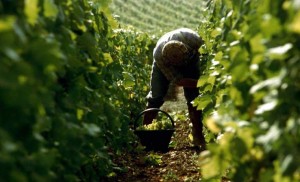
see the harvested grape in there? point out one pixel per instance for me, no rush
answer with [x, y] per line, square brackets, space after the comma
[155, 125]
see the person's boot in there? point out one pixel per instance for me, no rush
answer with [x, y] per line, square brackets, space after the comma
[197, 129]
[149, 116]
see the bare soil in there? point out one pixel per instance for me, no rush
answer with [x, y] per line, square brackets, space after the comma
[177, 164]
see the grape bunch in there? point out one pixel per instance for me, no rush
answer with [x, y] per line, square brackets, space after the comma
[155, 125]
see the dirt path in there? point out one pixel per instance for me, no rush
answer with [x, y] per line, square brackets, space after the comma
[178, 164]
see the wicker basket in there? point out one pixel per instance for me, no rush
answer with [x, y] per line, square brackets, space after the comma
[155, 140]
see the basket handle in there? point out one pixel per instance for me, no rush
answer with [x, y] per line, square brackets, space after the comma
[153, 109]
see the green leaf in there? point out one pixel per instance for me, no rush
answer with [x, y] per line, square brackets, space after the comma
[269, 83]
[246, 134]
[210, 165]
[12, 54]
[219, 56]
[272, 135]
[257, 44]
[279, 52]
[216, 32]
[202, 101]
[236, 96]
[202, 81]
[108, 58]
[270, 21]
[287, 161]
[240, 72]
[257, 59]
[211, 80]
[266, 107]
[129, 80]
[91, 129]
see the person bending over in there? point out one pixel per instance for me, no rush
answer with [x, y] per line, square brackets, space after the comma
[177, 63]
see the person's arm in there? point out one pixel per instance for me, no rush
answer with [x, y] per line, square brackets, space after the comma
[187, 82]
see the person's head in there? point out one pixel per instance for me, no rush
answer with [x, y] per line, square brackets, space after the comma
[176, 53]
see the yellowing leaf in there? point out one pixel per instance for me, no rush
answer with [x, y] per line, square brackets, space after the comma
[80, 113]
[6, 24]
[92, 69]
[257, 153]
[295, 25]
[108, 57]
[212, 126]
[31, 11]
[22, 79]
[50, 9]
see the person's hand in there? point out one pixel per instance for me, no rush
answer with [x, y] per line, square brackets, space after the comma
[187, 82]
